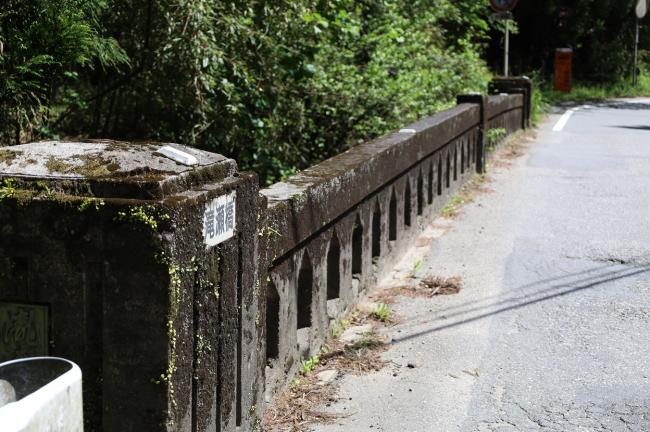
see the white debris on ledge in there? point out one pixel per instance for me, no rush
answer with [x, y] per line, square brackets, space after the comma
[178, 155]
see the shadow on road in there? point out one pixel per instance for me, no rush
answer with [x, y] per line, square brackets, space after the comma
[519, 289]
[561, 107]
[624, 105]
[640, 127]
[559, 287]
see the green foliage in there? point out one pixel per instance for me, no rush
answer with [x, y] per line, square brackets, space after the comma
[500, 26]
[417, 265]
[308, 365]
[539, 105]
[147, 215]
[43, 189]
[94, 203]
[451, 208]
[277, 85]
[382, 312]
[43, 46]
[7, 189]
[337, 329]
[590, 92]
[587, 91]
[601, 34]
[493, 137]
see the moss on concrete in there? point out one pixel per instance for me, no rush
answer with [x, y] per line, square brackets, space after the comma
[54, 165]
[147, 215]
[91, 166]
[8, 156]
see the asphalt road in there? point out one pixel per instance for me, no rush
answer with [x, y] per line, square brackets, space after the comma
[551, 330]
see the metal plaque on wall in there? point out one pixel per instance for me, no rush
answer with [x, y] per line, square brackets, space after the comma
[219, 219]
[23, 330]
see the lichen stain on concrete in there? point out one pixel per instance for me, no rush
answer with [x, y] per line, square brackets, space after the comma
[7, 156]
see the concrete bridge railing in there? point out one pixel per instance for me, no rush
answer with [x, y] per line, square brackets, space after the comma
[186, 295]
[334, 229]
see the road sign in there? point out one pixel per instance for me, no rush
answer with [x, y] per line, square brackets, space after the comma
[641, 8]
[503, 5]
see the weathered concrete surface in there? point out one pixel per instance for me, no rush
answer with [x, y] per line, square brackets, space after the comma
[521, 85]
[337, 227]
[167, 331]
[552, 328]
[98, 158]
[497, 104]
[107, 168]
[304, 203]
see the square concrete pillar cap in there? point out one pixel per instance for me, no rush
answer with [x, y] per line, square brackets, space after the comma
[106, 168]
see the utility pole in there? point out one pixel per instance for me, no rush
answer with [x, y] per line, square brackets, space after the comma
[640, 11]
[507, 47]
[502, 9]
[636, 54]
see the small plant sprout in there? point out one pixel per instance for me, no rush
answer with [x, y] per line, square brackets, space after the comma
[451, 208]
[147, 215]
[337, 329]
[382, 312]
[93, 203]
[7, 189]
[417, 265]
[308, 365]
[495, 135]
[42, 188]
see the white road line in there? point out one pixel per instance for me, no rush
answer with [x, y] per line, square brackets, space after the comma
[565, 118]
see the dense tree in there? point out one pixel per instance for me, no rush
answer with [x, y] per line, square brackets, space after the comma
[601, 33]
[44, 44]
[276, 84]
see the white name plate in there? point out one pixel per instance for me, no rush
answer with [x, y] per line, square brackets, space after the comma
[219, 219]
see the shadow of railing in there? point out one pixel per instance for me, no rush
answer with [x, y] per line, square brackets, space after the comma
[445, 311]
[560, 107]
[624, 105]
[638, 127]
[556, 290]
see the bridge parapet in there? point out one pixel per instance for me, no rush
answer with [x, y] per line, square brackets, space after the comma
[175, 323]
[336, 228]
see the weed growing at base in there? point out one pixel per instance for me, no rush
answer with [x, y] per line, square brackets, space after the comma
[382, 312]
[586, 92]
[308, 365]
